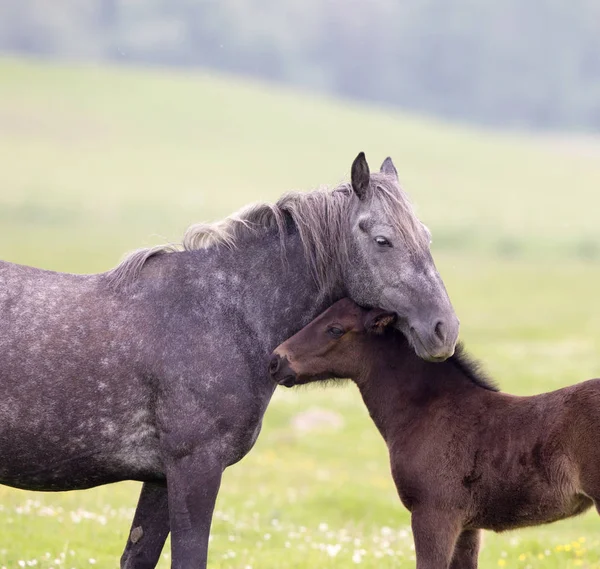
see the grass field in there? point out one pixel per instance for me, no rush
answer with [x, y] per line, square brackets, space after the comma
[97, 161]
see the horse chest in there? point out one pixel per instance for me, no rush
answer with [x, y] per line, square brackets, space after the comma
[221, 417]
[237, 443]
[239, 431]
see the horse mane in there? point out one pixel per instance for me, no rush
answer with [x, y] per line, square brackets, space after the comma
[319, 216]
[472, 369]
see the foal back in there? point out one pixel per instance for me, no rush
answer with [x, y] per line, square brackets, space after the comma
[513, 461]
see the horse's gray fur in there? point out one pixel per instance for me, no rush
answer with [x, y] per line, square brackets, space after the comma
[156, 370]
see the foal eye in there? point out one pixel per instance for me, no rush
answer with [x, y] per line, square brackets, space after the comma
[382, 241]
[335, 332]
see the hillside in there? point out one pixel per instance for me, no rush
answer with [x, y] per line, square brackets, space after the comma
[101, 160]
[508, 64]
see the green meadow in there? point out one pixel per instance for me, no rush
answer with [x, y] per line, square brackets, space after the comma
[96, 161]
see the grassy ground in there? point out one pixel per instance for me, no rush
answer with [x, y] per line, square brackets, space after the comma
[98, 161]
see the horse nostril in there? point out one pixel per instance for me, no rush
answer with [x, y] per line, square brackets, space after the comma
[440, 330]
[274, 364]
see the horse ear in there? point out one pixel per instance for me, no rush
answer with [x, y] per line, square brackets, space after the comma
[377, 320]
[389, 169]
[360, 176]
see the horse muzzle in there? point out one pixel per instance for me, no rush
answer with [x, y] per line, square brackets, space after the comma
[437, 342]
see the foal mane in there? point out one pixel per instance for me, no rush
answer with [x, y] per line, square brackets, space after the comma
[320, 217]
[471, 368]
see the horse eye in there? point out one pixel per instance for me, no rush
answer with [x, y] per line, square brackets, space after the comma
[335, 332]
[382, 241]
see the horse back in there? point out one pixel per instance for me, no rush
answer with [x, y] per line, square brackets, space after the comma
[76, 404]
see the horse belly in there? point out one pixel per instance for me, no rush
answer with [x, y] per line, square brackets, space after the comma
[91, 453]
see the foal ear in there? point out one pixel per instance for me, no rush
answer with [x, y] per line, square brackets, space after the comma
[360, 176]
[389, 169]
[377, 320]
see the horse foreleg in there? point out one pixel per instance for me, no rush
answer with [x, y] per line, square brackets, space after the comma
[149, 529]
[435, 535]
[466, 551]
[193, 487]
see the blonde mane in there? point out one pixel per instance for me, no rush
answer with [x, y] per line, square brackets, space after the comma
[320, 217]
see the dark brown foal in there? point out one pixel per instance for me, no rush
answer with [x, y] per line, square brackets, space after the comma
[464, 457]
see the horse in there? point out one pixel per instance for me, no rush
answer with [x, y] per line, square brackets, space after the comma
[155, 370]
[464, 456]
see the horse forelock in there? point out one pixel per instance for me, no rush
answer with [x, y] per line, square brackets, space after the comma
[400, 213]
[321, 218]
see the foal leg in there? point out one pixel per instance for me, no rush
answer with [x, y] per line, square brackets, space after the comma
[466, 550]
[149, 529]
[435, 534]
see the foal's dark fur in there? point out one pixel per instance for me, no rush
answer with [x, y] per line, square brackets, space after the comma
[464, 456]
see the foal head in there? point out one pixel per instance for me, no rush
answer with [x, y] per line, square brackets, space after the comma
[330, 346]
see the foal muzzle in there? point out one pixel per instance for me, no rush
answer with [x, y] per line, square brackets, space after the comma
[281, 371]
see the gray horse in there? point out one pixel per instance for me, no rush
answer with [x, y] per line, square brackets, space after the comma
[156, 370]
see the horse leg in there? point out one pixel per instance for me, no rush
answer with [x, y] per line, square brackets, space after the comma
[466, 550]
[149, 529]
[194, 483]
[435, 534]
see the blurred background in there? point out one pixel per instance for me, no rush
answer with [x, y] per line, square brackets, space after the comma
[525, 63]
[124, 121]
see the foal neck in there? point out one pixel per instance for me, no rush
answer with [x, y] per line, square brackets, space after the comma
[397, 386]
